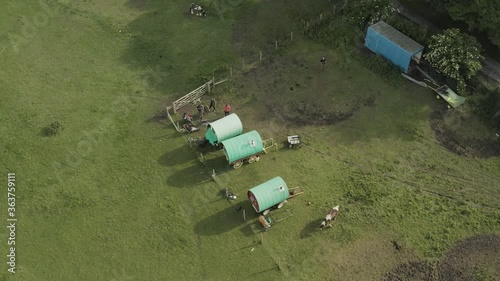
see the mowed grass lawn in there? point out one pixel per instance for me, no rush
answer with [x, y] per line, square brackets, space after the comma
[117, 196]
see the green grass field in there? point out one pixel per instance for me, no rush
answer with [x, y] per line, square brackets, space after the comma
[119, 194]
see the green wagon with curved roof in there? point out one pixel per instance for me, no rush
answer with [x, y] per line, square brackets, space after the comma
[246, 147]
[223, 129]
[272, 193]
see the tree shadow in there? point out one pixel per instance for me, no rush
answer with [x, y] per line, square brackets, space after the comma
[310, 229]
[171, 48]
[221, 222]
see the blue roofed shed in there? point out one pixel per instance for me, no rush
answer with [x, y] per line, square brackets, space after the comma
[390, 43]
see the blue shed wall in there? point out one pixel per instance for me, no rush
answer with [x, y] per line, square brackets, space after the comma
[388, 49]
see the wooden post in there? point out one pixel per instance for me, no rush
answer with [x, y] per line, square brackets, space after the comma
[173, 107]
[244, 215]
[231, 71]
[279, 264]
[276, 44]
[320, 16]
[213, 81]
[261, 238]
[291, 36]
[260, 55]
[207, 84]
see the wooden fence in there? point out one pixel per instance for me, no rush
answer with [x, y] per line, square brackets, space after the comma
[193, 95]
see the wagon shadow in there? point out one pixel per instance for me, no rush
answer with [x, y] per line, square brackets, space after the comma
[190, 176]
[177, 156]
[310, 229]
[220, 222]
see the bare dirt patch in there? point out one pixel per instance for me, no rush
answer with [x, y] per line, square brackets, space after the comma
[474, 258]
[289, 87]
[471, 259]
[462, 144]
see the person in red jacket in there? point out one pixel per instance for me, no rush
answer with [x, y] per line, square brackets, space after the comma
[227, 109]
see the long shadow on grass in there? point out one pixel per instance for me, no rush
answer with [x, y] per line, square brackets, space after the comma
[177, 156]
[173, 50]
[198, 173]
[221, 222]
[310, 229]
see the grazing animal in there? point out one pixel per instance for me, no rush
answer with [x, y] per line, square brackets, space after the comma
[197, 10]
[329, 217]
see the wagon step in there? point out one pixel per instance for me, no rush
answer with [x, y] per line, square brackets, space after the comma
[295, 191]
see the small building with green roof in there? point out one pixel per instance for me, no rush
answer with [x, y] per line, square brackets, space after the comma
[268, 194]
[223, 129]
[243, 146]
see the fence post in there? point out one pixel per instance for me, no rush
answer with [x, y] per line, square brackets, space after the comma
[244, 215]
[173, 107]
[291, 36]
[260, 55]
[276, 44]
[320, 16]
[207, 85]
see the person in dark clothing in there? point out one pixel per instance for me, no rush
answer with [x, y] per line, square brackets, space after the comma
[323, 62]
[227, 110]
[212, 105]
[200, 110]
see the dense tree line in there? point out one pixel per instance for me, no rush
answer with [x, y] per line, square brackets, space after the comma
[480, 15]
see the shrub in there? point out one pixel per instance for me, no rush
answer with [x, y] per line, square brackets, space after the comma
[52, 129]
[388, 71]
[410, 29]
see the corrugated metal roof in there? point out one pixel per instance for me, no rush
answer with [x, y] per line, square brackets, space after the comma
[394, 35]
[243, 146]
[268, 194]
[224, 128]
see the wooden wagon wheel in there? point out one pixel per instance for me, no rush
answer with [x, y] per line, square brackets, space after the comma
[251, 160]
[238, 164]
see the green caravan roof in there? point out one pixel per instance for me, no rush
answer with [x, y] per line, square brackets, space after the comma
[268, 194]
[243, 146]
[223, 129]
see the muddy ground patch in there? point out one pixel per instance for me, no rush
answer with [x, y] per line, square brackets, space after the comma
[474, 258]
[464, 144]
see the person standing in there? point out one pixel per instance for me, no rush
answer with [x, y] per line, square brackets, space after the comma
[200, 110]
[212, 105]
[323, 62]
[227, 109]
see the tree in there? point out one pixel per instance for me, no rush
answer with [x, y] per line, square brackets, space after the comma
[456, 54]
[481, 15]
